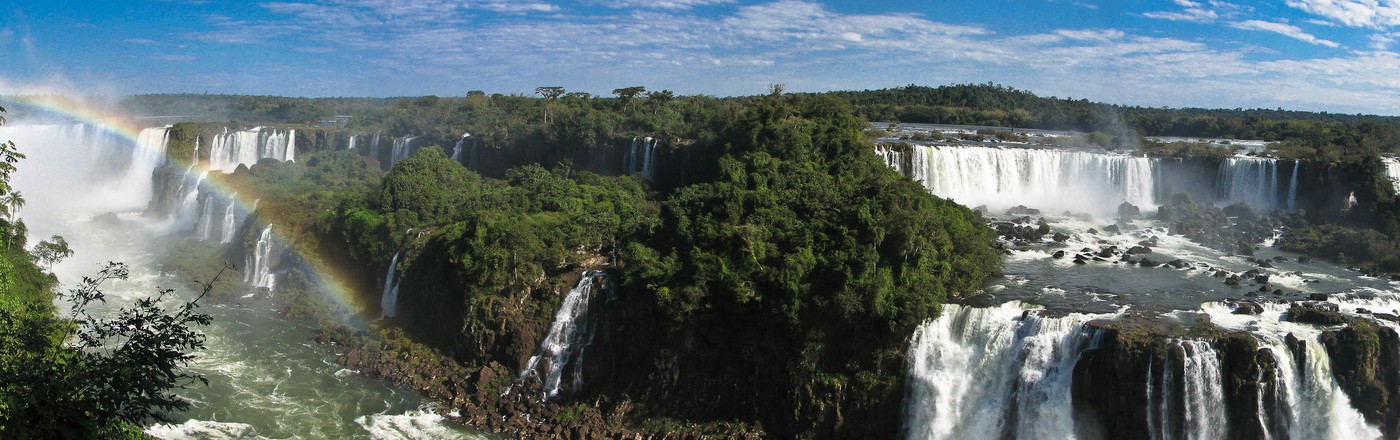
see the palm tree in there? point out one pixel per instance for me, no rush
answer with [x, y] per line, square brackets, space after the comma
[12, 202]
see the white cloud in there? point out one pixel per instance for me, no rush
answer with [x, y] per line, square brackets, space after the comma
[1376, 14]
[402, 48]
[1284, 29]
[663, 4]
[1196, 15]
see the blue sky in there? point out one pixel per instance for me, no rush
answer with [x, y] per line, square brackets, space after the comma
[1327, 55]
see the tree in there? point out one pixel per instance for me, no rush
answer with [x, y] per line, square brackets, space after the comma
[627, 93]
[10, 204]
[552, 92]
[52, 251]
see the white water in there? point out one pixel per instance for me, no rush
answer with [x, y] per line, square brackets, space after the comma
[639, 156]
[457, 148]
[1392, 169]
[1313, 404]
[230, 225]
[259, 263]
[1052, 180]
[565, 342]
[1202, 405]
[389, 301]
[972, 368]
[403, 147]
[245, 147]
[1254, 181]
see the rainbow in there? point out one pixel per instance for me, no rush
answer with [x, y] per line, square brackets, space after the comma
[330, 281]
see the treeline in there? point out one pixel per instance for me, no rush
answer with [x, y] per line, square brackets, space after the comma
[1001, 106]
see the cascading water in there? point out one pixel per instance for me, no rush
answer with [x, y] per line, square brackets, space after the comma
[230, 225]
[258, 264]
[402, 148]
[457, 148]
[891, 158]
[1052, 180]
[1392, 169]
[989, 373]
[1293, 187]
[1309, 403]
[245, 147]
[1199, 411]
[352, 142]
[640, 157]
[565, 342]
[389, 301]
[1251, 180]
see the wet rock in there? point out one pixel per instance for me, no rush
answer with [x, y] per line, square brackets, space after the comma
[1262, 279]
[1278, 291]
[1304, 259]
[1178, 264]
[1058, 254]
[1148, 263]
[1112, 229]
[1022, 210]
[1093, 231]
[1059, 237]
[1107, 252]
[1128, 211]
[1248, 308]
[1232, 280]
[1318, 297]
[1139, 249]
[1314, 313]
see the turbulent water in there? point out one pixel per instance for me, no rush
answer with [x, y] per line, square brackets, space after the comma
[999, 365]
[267, 380]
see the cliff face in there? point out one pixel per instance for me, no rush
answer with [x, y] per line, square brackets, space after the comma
[1366, 361]
[1122, 385]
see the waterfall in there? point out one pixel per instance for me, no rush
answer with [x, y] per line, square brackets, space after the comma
[352, 142]
[565, 342]
[640, 157]
[1309, 402]
[1293, 187]
[1199, 412]
[204, 225]
[245, 147]
[986, 373]
[457, 149]
[1252, 180]
[230, 225]
[403, 147]
[389, 301]
[1392, 169]
[891, 158]
[1054, 180]
[258, 264]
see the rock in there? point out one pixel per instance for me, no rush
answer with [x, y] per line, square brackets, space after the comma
[1139, 249]
[1249, 308]
[1232, 280]
[1304, 259]
[1280, 258]
[1112, 229]
[1278, 291]
[1022, 210]
[1262, 278]
[1058, 254]
[1148, 263]
[1059, 237]
[1178, 264]
[1312, 313]
[1093, 231]
[1128, 211]
[1318, 297]
[1086, 250]
[1107, 252]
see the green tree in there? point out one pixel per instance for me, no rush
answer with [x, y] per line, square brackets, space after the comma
[52, 251]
